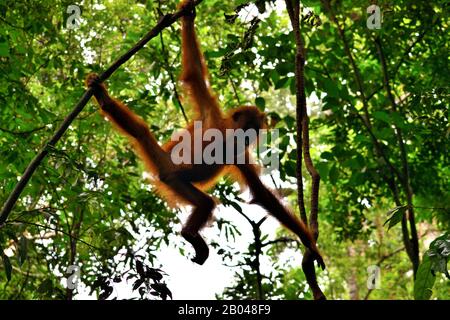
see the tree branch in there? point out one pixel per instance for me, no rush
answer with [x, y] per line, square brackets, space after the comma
[293, 8]
[279, 240]
[413, 242]
[57, 230]
[362, 94]
[46, 126]
[410, 244]
[169, 71]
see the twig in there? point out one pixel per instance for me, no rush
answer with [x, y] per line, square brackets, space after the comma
[234, 88]
[293, 8]
[403, 58]
[359, 81]
[169, 71]
[28, 132]
[10, 24]
[165, 22]
[280, 240]
[299, 62]
[413, 242]
[57, 230]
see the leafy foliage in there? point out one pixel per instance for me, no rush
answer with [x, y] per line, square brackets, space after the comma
[88, 204]
[434, 260]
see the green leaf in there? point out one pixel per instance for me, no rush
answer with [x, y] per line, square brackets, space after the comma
[291, 168]
[268, 40]
[333, 175]
[331, 88]
[7, 265]
[290, 121]
[282, 83]
[284, 68]
[398, 120]
[4, 49]
[362, 138]
[46, 286]
[284, 143]
[324, 170]
[357, 179]
[352, 163]
[260, 103]
[23, 250]
[327, 155]
[216, 54]
[439, 254]
[425, 279]
[176, 103]
[397, 216]
[383, 116]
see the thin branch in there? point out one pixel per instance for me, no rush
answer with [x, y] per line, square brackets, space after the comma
[25, 281]
[75, 232]
[46, 126]
[260, 222]
[280, 240]
[10, 24]
[390, 255]
[374, 92]
[303, 146]
[359, 82]
[27, 273]
[414, 242]
[250, 221]
[169, 71]
[234, 88]
[165, 22]
[299, 60]
[55, 229]
[44, 64]
[408, 51]
[366, 122]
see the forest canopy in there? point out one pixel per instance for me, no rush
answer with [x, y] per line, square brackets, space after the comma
[375, 80]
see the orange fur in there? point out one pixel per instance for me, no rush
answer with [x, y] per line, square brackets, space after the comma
[185, 184]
